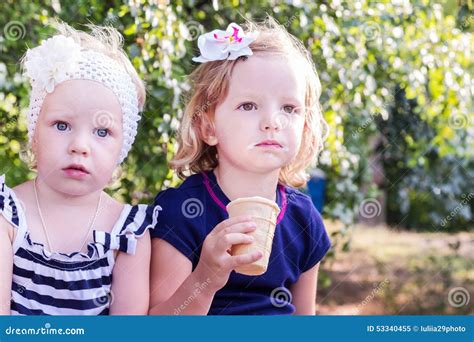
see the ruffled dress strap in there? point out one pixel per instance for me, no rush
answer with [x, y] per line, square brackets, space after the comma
[10, 205]
[128, 229]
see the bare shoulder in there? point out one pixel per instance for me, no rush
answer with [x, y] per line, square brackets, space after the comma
[24, 193]
[111, 204]
[6, 229]
[111, 210]
[23, 188]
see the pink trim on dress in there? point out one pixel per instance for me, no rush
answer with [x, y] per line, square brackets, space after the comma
[281, 188]
[211, 192]
[283, 203]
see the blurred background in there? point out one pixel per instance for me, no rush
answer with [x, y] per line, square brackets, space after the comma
[395, 183]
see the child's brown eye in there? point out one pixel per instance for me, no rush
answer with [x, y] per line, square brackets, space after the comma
[248, 106]
[288, 109]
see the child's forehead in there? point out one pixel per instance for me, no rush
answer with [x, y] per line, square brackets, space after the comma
[78, 88]
[267, 71]
[75, 97]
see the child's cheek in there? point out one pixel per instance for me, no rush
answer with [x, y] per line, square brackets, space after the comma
[296, 132]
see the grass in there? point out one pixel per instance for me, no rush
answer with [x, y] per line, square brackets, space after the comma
[396, 272]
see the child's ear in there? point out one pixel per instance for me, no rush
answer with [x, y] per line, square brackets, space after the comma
[208, 131]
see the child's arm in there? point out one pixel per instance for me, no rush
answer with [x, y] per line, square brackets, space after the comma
[173, 283]
[304, 292]
[175, 289]
[6, 266]
[130, 284]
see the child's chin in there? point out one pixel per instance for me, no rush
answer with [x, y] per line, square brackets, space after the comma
[265, 166]
[73, 188]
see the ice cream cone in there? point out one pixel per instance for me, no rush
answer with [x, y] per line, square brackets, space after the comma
[264, 213]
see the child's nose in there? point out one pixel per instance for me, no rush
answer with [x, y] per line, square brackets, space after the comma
[79, 145]
[271, 121]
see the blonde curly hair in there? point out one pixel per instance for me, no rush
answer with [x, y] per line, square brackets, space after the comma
[209, 86]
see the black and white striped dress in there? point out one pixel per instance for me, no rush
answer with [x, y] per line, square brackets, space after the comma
[47, 283]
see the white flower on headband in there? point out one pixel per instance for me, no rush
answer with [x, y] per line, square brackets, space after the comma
[48, 64]
[229, 44]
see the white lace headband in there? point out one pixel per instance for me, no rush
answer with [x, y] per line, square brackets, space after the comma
[60, 59]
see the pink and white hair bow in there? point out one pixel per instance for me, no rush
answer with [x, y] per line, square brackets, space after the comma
[229, 44]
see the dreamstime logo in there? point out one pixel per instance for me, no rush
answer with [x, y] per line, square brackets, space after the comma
[194, 30]
[370, 208]
[192, 208]
[280, 297]
[21, 289]
[14, 30]
[103, 297]
[371, 30]
[458, 296]
[458, 121]
[103, 119]
[16, 209]
[280, 120]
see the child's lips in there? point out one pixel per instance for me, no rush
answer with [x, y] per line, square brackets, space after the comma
[76, 171]
[269, 143]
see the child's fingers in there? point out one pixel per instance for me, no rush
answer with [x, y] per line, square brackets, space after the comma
[230, 222]
[226, 241]
[244, 259]
[241, 227]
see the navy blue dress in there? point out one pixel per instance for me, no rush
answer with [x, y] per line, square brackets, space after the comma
[192, 210]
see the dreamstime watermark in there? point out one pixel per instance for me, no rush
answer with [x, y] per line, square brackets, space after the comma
[198, 289]
[370, 208]
[103, 297]
[111, 19]
[457, 209]
[17, 209]
[204, 108]
[467, 22]
[14, 30]
[363, 127]
[192, 208]
[376, 291]
[371, 30]
[458, 121]
[8, 126]
[194, 30]
[289, 21]
[280, 297]
[458, 297]
[103, 119]
[46, 330]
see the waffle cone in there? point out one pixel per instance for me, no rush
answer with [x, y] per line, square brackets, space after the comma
[264, 213]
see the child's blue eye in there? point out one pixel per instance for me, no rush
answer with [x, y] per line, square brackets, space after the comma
[248, 106]
[62, 126]
[102, 132]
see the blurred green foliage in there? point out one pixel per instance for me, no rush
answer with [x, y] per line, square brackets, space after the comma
[368, 54]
